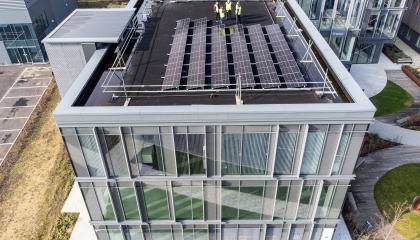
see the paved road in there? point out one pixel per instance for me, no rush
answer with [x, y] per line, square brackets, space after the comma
[8, 75]
[19, 101]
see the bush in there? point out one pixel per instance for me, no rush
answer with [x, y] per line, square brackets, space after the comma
[394, 52]
[413, 123]
[372, 142]
[64, 226]
[414, 70]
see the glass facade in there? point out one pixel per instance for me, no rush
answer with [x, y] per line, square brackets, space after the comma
[21, 43]
[153, 177]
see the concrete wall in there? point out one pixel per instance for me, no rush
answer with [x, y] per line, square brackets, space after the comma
[13, 11]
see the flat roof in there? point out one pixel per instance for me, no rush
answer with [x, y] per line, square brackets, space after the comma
[150, 56]
[92, 25]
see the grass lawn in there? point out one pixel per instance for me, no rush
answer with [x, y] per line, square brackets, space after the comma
[396, 186]
[392, 99]
[37, 179]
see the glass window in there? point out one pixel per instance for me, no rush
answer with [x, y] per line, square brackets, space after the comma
[325, 199]
[231, 153]
[114, 154]
[348, 47]
[195, 234]
[243, 202]
[341, 152]
[189, 153]
[115, 234]
[91, 153]
[254, 153]
[149, 154]
[305, 202]
[364, 53]
[188, 202]
[281, 202]
[156, 202]
[135, 234]
[105, 203]
[129, 203]
[313, 149]
[286, 149]
[418, 42]
[408, 34]
[161, 234]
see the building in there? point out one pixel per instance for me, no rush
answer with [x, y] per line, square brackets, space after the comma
[356, 29]
[23, 24]
[409, 31]
[180, 129]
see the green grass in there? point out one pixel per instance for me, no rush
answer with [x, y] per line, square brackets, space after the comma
[397, 186]
[392, 99]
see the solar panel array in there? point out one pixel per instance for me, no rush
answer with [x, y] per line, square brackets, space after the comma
[288, 66]
[196, 77]
[265, 66]
[219, 60]
[241, 61]
[176, 57]
[196, 71]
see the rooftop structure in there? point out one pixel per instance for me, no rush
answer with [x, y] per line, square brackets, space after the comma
[187, 129]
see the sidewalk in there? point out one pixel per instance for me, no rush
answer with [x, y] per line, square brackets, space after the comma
[409, 51]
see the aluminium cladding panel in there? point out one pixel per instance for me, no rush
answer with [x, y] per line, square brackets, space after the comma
[62, 9]
[67, 61]
[12, 4]
[12, 12]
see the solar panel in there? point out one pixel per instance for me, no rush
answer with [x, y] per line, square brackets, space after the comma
[288, 66]
[176, 57]
[265, 66]
[219, 61]
[196, 70]
[241, 61]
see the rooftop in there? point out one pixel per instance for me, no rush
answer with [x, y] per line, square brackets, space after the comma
[87, 25]
[145, 76]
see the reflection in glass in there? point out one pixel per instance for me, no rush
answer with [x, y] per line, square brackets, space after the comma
[189, 153]
[254, 153]
[136, 234]
[129, 203]
[188, 203]
[104, 199]
[312, 153]
[149, 154]
[116, 155]
[344, 141]
[285, 153]
[162, 234]
[92, 157]
[115, 234]
[231, 153]
[281, 202]
[305, 202]
[156, 202]
[324, 201]
[230, 201]
[245, 203]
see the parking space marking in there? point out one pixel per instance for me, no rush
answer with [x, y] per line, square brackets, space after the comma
[29, 75]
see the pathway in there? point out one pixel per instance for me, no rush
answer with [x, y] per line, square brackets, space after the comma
[385, 125]
[370, 171]
[18, 103]
[408, 50]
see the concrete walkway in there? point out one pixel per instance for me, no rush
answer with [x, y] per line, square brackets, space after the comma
[385, 125]
[370, 171]
[73, 204]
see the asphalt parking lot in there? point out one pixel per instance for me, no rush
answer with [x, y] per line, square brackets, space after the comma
[21, 88]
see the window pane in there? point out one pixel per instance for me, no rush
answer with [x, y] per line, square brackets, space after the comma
[129, 202]
[189, 234]
[136, 234]
[285, 152]
[197, 202]
[201, 234]
[104, 199]
[324, 201]
[181, 153]
[156, 202]
[196, 154]
[92, 157]
[115, 234]
[149, 154]
[312, 153]
[162, 234]
[116, 155]
[344, 141]
[182, 203]
[250, 203]
[254, 153]
[230, 201]
[231, 150]
[281, 202]
[305, 202]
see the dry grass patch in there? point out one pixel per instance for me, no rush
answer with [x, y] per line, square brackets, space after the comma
[36, 177]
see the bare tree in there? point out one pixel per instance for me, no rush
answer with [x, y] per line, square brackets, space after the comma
[385, 223]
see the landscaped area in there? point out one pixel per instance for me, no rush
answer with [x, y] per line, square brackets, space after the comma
[398, 186]
[392, 99]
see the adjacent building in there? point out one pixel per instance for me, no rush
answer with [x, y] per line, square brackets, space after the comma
[178, 128]
[356, 30]
[23, 24]
[409, 30]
